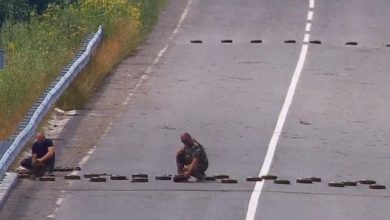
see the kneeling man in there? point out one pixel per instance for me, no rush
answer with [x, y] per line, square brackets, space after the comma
[191, 160]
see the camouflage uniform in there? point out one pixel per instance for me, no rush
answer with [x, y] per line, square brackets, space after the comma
[185, 158]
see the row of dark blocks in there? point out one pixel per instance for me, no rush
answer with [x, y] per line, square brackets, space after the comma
[350, 43]
[223, 178]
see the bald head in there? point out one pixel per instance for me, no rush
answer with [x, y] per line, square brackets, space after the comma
[186, 139]
[40, 137]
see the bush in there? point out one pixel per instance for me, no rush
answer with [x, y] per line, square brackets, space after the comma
[37, 50]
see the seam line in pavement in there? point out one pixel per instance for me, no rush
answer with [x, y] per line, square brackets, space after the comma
[329, 194]
[254, 199]
[217, 190]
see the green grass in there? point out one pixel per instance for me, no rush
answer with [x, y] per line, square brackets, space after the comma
[36, 51]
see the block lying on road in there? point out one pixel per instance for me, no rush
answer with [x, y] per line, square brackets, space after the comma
[210, 178]
[315, 179]
[47, 178]
[164, 177]
[335, 184]
[367, 182]
[98, 179]
[117, 177]
[305, 181]
[279, 181]
[180, 179]
[229, 181]
[349, 183]
[72, 177]
[254, 179]
[140, 175]
[376, 186]
[269, 177]
[221, 176]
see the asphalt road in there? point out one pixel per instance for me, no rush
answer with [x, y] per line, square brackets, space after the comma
[229, 96]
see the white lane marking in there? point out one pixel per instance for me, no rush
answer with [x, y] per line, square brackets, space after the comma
[276, 134]
[59, 202]
[308, 27]
[160, 53]
[253, 202]
[310, 15]
[52, 216]
[84, 159]
[306, 38]
[311, 4]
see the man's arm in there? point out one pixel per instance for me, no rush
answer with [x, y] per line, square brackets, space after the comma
[191, 168]
[34, 157]
[48, 155]
[34, 153]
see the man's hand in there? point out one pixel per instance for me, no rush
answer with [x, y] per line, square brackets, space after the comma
[191, 167]
[186, 174]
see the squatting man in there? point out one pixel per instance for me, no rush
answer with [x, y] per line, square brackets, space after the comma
[42, 152]
[191, 159]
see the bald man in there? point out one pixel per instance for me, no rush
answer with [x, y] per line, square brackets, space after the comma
[42, 151]
[191, 160]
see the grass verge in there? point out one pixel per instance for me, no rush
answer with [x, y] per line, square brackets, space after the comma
[37, 51]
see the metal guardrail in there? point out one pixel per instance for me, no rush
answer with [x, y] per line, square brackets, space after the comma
[34, 117]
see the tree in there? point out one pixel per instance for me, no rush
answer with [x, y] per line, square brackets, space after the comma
[14, 10]
[41, 5]
[19, 10]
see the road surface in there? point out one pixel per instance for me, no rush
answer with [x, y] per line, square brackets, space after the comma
[235, 99]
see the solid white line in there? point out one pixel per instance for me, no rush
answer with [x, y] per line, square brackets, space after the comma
[306, 38]
[311, 4]
[310, 15]
[308, 27]
[160, 53]
[250, 215]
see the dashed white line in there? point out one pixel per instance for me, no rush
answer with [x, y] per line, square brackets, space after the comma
[308, 27]
[310, 15]
[311, 4]
[59, 202]
[52, 216]
[160, 53]
[306, 38]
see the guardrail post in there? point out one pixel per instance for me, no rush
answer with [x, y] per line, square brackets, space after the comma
[2, 59]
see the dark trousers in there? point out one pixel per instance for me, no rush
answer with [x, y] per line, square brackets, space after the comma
[27, 163]
[182, 160]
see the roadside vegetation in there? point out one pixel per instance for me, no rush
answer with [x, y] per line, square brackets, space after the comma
[40, 39]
